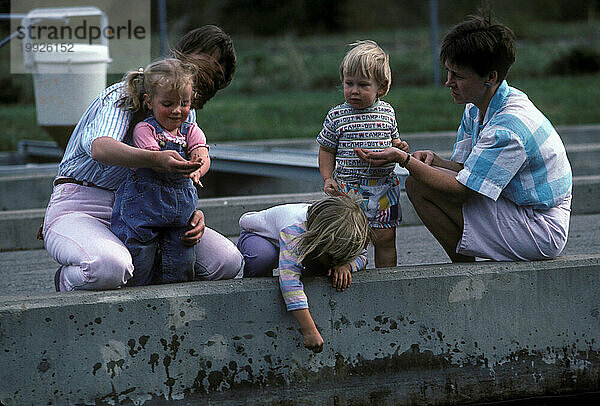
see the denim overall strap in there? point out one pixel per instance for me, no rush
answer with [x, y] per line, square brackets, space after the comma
[165, 144]
[185, 128]
[152, 121]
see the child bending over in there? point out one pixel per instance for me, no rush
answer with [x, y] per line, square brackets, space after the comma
[328, 237]
[152, 209]
[364, 121]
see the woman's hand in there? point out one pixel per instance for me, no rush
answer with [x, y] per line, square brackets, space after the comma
[109, 151]
[426, 156]
[193, 235]
[342, 277]
[378, 158]
[331, 187]
[171, 161]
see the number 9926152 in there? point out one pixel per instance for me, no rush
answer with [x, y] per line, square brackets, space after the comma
[49, 47]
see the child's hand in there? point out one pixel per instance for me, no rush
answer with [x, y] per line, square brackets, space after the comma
[313, 340]
[171, 161]
[402, 145]
[342, 277]
[195, 177]
[331, 187]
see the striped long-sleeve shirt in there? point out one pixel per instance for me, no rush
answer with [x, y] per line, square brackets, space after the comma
[284, 224]
[101, 119]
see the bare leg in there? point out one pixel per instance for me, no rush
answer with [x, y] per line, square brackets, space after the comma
[385, 247]
[442, 217]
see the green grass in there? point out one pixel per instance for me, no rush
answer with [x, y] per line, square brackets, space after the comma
[284, 86]
[232, 116]
[299, 114]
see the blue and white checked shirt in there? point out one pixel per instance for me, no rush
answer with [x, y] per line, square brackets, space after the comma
[101, 119]
[515, 153]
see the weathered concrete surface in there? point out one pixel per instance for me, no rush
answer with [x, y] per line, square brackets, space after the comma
[33, 182]
[19, 227]
[433, 334]
[31, 272]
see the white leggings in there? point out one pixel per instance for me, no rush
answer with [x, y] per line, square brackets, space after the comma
[77, 235]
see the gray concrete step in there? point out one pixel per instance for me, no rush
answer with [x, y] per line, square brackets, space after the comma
[233, 174]
[427, 334]
[30, 273]
[19, 227]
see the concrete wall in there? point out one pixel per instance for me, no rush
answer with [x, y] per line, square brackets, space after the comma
[442, 334]
[19, 227]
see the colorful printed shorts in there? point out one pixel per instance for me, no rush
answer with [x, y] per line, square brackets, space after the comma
[379, 198]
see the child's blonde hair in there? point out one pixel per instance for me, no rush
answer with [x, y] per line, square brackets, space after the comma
[170, 74]
[336, 226]
[367, 59]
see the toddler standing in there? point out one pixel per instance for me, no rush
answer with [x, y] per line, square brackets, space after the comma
[152, 209]
[366, 122]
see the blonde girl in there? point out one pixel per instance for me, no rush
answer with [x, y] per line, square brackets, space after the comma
[328, 237]
[152, 209]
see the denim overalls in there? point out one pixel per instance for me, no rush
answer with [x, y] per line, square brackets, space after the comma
[150, 214]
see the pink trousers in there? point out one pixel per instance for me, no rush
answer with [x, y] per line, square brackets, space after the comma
[77, 235]
[502, 231]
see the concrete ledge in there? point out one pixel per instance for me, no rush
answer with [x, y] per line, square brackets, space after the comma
[264, 167]
[19, 227]
[441, 334]
[586, 195]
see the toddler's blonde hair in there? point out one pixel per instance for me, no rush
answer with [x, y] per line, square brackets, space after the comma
[336, 226]
[170, 74]
[367, 59]
[204, 75]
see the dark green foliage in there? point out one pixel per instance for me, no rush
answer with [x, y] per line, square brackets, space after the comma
[579, 60]
[310, 17]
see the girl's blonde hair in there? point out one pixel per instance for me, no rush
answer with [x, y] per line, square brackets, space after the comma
[368, 60]
[335, 226]
[170, 74]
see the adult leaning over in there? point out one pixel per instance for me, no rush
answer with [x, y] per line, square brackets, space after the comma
[505, 193]
[76, 227]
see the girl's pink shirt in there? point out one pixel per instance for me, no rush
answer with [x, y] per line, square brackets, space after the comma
[145, 137]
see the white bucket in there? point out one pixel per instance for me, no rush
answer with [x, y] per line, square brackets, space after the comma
[66, 82]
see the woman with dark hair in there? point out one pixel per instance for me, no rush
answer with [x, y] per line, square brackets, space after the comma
[505, 193]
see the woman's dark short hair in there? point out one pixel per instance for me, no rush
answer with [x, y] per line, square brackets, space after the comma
[209, 39]
[480, 44]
